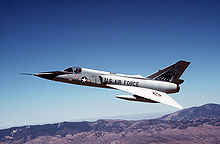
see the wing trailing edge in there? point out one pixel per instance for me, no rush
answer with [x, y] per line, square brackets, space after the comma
[145, 93]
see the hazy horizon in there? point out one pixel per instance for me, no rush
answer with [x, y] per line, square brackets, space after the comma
[128, 37]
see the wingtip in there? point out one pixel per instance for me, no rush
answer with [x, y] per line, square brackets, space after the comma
[178, 106]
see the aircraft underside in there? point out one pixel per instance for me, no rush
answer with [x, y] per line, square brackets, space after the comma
[152, 89]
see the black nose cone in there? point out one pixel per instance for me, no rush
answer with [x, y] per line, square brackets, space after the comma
[49, 76]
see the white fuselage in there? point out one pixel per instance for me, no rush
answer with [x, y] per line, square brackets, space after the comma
[153, 88]
[97, 78]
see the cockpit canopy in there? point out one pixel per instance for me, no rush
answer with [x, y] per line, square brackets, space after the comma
[73, 69]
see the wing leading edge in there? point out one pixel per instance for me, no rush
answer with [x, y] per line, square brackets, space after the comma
[150, 94]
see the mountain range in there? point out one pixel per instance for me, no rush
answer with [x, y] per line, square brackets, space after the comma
[193, 125]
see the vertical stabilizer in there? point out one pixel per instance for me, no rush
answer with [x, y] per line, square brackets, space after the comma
[171, 73]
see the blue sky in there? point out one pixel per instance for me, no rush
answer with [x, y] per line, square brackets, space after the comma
[124, 36]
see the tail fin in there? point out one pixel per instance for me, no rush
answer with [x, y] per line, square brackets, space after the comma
[171, 73]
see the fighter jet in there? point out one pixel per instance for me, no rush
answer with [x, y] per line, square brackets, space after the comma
[151, 89]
